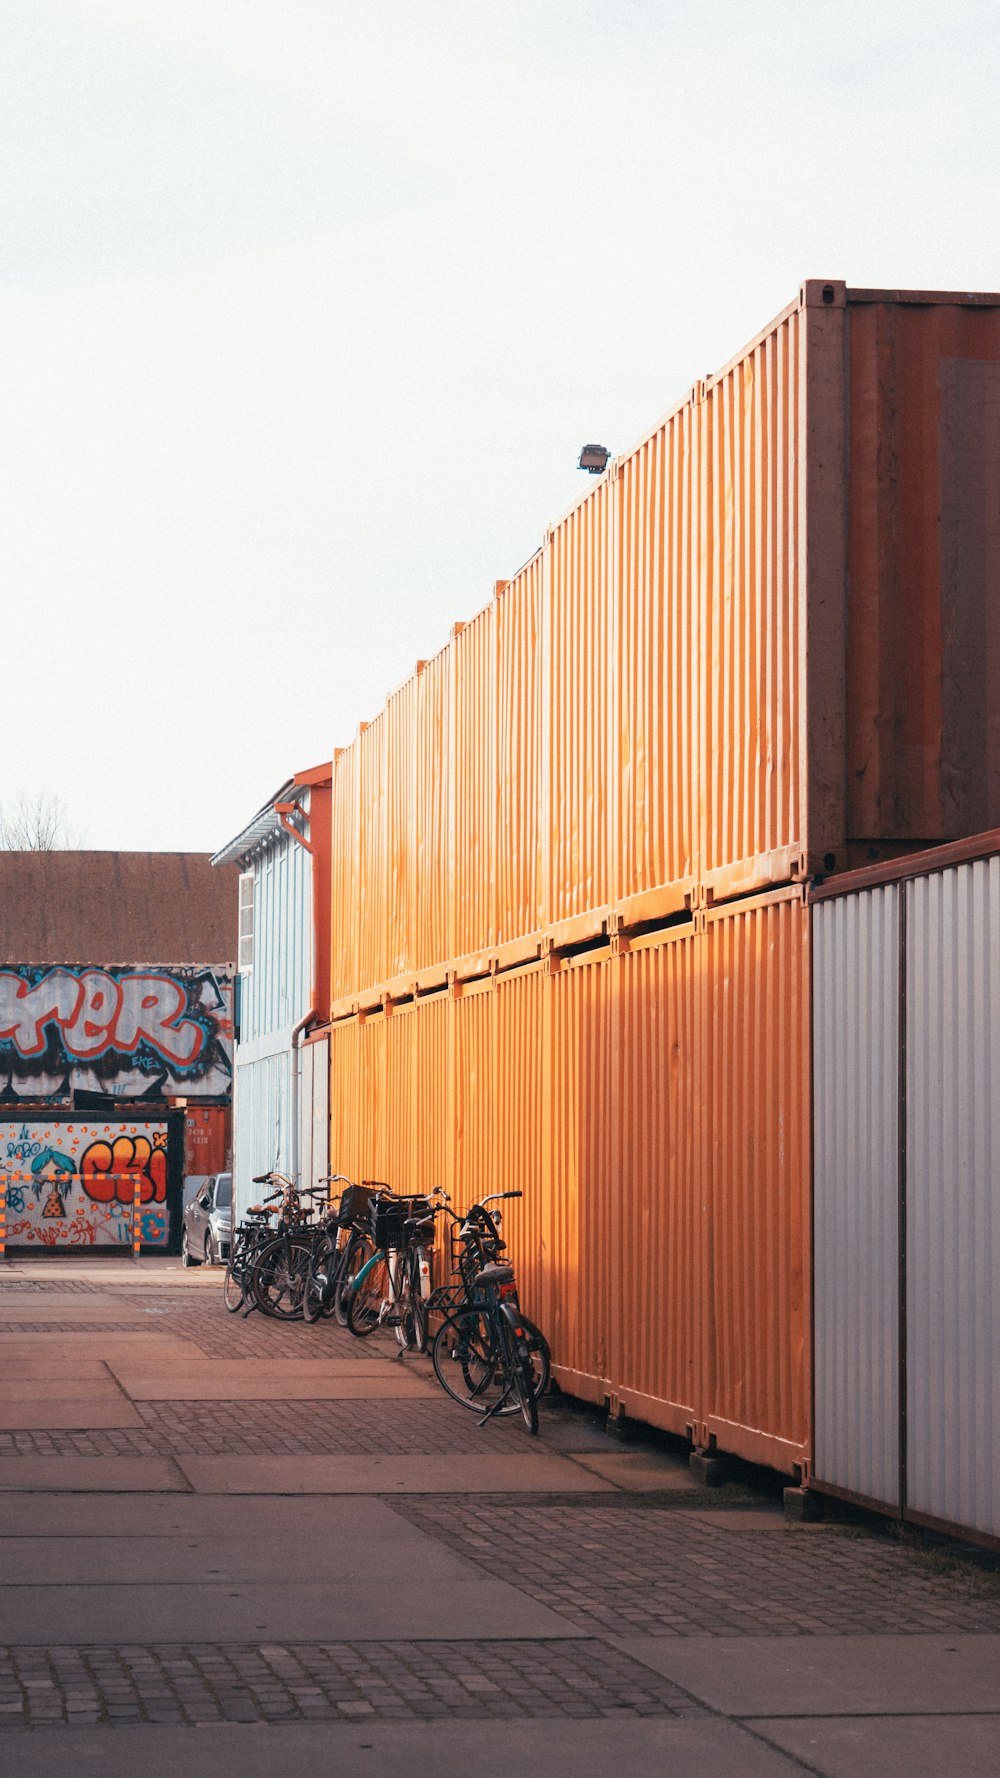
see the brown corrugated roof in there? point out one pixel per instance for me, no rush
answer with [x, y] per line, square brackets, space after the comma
[116, 907]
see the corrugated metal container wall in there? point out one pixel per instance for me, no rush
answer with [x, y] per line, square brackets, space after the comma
[314, 1110]
[262, 1133]
[755, 1089]
[373, 910]
[275, 992]
[751, 766]
[923, 565]
[580, 1210]
[400, 773]
[473, 778]
[655, 707]
[953, 1196]
[664, 1253]
[579, 769]
[345, 889]
[432, 836]
[856, 1192]
[518, 843]
[656, 1213]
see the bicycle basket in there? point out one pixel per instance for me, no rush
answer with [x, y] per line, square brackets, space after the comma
[354, 1207]
[389, 1217]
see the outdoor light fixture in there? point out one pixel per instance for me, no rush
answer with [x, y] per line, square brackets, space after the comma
[594, 459]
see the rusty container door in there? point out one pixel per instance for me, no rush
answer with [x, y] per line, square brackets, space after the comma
[580, 774]
[654, 662]
[518, 796]
[473, 780]
[923, 566]
[754, 1088]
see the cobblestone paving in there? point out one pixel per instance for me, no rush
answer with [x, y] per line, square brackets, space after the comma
[277, 1428]
[643, 1570]
[206, 1683]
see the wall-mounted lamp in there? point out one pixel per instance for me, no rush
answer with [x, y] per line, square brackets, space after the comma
[594, 459]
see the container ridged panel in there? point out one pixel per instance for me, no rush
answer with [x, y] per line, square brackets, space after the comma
[518, 844]
[953, 1195]
[580, 775]
[431, 840]
[756, 1088]
[372, 909]
[578, 1171]
[655, 1211]
[400, 772]
[473, 784]
[656, 650]
[855, 1192]
[474, 1121]
[751, 689]
[522, 1007]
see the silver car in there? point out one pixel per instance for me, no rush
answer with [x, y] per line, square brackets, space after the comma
[208, 1222]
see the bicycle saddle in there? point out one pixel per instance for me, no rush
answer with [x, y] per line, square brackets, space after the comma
[494, 1275]
[257, 1210]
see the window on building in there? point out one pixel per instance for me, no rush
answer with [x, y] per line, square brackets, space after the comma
[246, 922]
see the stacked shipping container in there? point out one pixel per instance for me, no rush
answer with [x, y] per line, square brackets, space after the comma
[546, 970]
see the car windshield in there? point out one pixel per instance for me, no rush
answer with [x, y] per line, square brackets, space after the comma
[224, 1191]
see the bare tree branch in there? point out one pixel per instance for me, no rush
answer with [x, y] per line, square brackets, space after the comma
[36, 822]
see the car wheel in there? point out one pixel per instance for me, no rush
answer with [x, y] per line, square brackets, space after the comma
[187, 1257]
[210, 1255]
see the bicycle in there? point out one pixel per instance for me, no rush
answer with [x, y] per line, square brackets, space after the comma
[392, 1289]
[277, 1277]
[340, 1247]
[487, 1355]
[252, 1234]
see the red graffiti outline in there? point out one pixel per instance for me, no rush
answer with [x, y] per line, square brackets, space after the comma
[101, 1036]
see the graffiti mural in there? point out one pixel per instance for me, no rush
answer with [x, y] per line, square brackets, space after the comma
[84, 1184]
[131, 1033]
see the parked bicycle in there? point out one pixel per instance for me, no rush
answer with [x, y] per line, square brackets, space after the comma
[270, 1266]
[341, 1246]
[393, 1287]
[486, 1354]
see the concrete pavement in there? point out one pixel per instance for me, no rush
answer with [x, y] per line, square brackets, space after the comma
[295, 1543]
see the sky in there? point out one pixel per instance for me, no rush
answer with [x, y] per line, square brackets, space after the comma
[307, 310]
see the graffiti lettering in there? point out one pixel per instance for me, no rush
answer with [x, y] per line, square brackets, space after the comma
[108, 1170]
[95, 1013]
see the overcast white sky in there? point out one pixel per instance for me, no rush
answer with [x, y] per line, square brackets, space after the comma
[306, 310]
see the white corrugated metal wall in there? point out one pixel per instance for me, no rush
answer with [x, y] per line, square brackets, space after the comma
[274, 996]
[953, 1196]
[942, 1188]
[855, 1192]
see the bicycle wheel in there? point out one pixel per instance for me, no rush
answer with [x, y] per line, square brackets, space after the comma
[520, 1376]
[366, 1302]
[357, 1253]
[539, 1356]
[466, 1362]
[278, 1278]
[232, 1287]
[410, 1326]
[317, 1291]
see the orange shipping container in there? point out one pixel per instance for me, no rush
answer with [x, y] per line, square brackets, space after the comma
[651, 1102]
[765, 644]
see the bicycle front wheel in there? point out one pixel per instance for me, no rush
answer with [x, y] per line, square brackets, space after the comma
[466, 1362]
[279, 1276]
[232, 1287]
[366, 1302]
[358, 1252]
[317, 1290]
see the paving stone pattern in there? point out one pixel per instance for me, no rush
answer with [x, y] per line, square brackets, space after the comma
[278, 1429]
[643, 1570]
[207, 1683]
